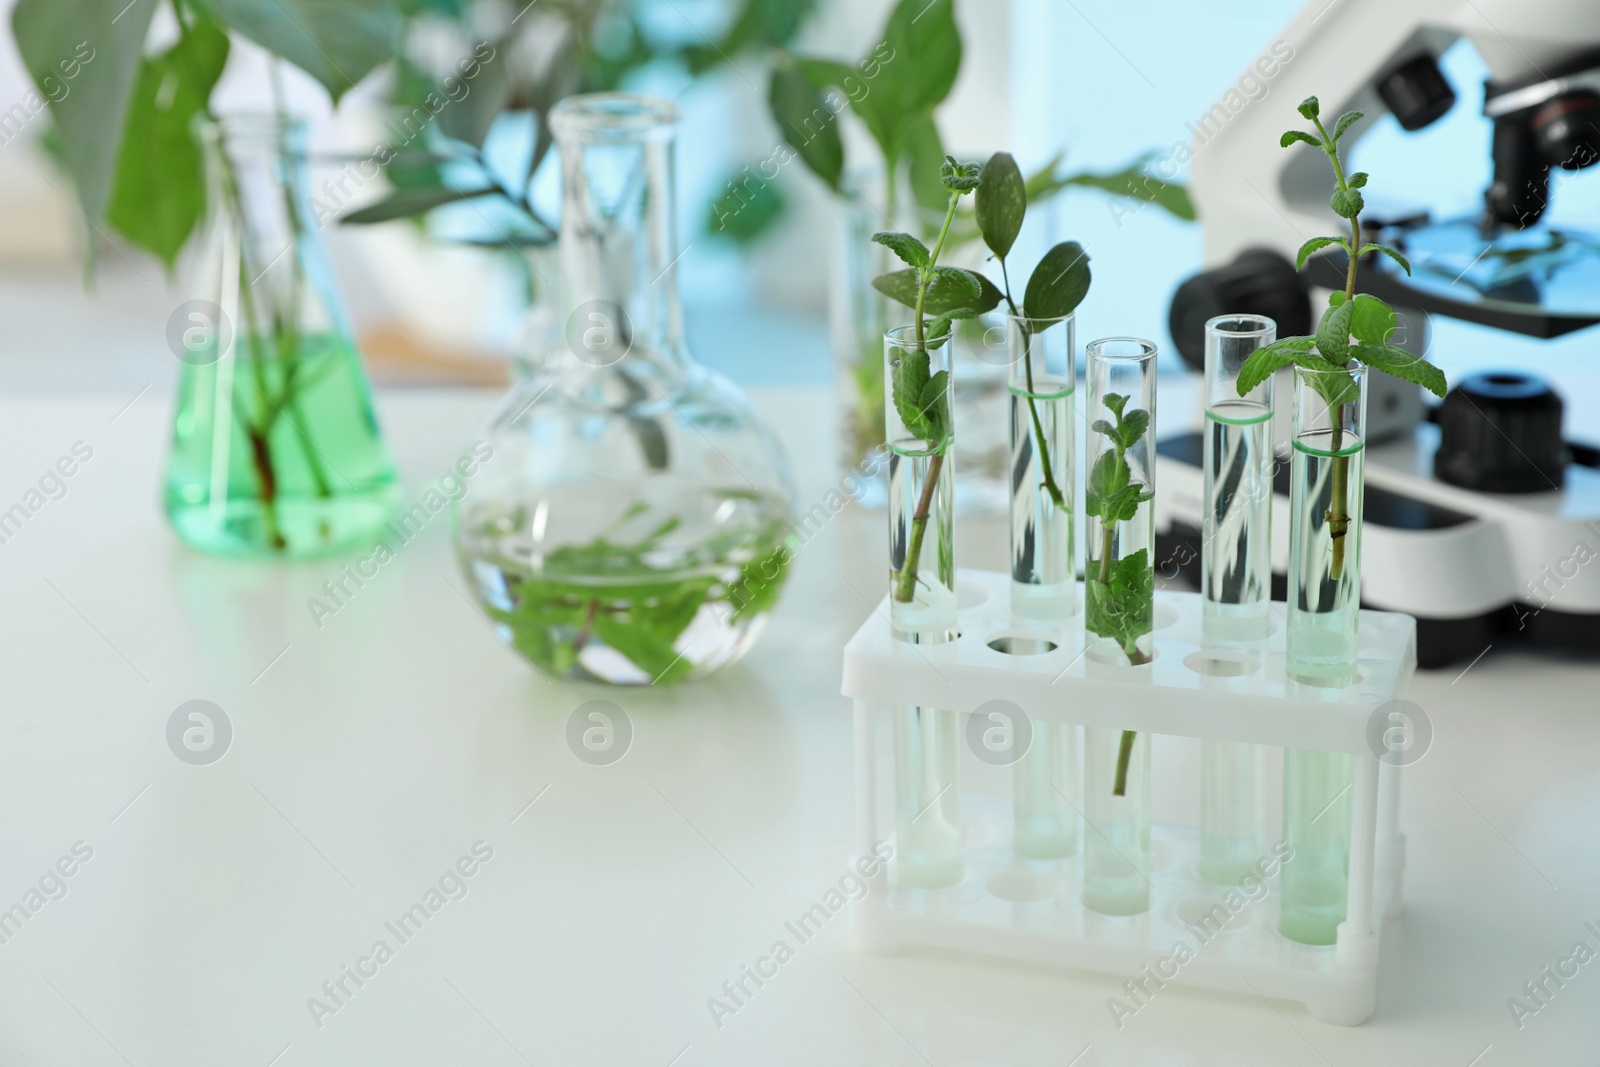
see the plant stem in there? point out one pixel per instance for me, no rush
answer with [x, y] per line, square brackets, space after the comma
[1339, 507]
[1119, 788]
[906, 581]
[1045, 473]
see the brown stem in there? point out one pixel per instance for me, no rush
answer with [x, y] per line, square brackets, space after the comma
[1339, 508]
[582, 639]
[906, 579]
[261, 454]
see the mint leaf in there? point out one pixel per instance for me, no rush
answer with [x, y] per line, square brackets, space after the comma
[1333, 333]
[1309, 108]
[1372, 321]
[959, 177]
[1344, 124]
[1266, 361]
[1133, 426]
[1291, 136]
[1358, 180]
[908, 248]
[1391, 253]
[935, 405]
[1108, 477]
[1316, 244]
[1403, 365]
[1336, 388]
[1346, 203]
[910, 378]
[1122, 608]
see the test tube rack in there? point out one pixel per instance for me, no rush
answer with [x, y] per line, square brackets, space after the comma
[1024, 909]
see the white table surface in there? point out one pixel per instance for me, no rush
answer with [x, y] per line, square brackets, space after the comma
[369, 755]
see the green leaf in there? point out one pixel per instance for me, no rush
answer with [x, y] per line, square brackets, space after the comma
[469, 119]
[926, 53]
[1336, 389]
[1333, 333]
[935, 405]
[1058, 284]
[1266, 361]
[948, 281]
[959, 177]
[1101, 426]
[909, 378]
[1108, 477]
[1317, 243]
[1291, 136]
[908, 248]
[1391, 253]
[1122, 608]
[1347, 203]
[1131, 182]
[940, 326]
[1344, 124]
[1309, 108]
[406, 203]
[83, 47]
[1403, 365]
[1335, 298]
[925, 156]
[944, 295]
[805, 122]
[1115, 402]
[1372, 321]
[746, 210]
[159, 192]
[337, 42]
[1134, 424]
[648, 632]
[1358, 180]
[1000, 203]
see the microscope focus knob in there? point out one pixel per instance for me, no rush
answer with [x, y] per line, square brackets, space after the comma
[1258, 282]
[1500, 432]
[1416, 92]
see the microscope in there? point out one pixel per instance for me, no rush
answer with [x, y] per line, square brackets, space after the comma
[1481, 520]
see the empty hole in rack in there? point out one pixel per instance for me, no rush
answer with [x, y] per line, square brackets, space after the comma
[1162, 616]
[1021, 887]
[1223, 662]
[1107, 653]
[1022, 644]
[970, 595]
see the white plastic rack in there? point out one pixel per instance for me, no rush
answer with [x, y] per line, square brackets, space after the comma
[1027, 909]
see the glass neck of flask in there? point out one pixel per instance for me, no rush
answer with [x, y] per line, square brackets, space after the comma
[618, 252]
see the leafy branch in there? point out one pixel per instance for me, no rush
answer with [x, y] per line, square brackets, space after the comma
[1120, 593]
[922, 399]
[1056, 287]
[1354, 329]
